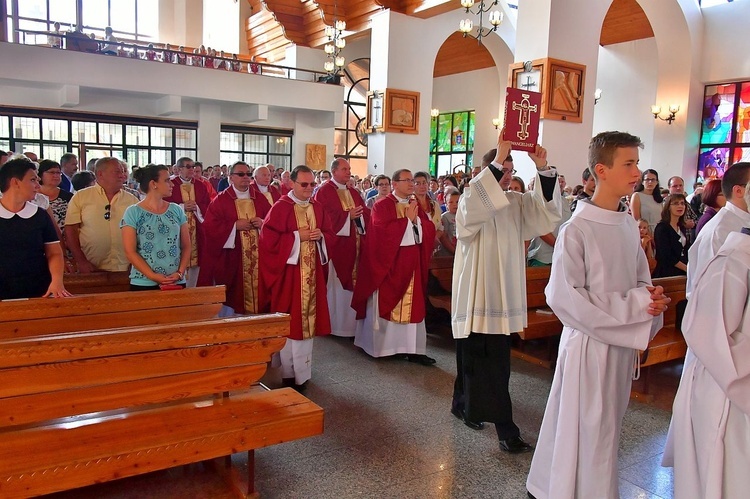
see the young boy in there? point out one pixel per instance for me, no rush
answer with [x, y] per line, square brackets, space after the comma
[448, 219]
[600, 288]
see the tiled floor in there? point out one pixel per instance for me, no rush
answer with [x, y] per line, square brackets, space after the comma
[389, 433]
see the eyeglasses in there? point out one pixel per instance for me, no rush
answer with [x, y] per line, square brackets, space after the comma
[107, 212]
[384, 185]
[650, 180]
[505, 171]
[305, 185]
[242, 174]
[410, 180]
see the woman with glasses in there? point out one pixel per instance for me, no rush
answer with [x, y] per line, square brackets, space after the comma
[155, 234]
[383, 188]
[647, 199]
[32, 264]
[671, 240]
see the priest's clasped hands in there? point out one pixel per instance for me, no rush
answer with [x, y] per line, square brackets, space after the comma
[658, 300]
[310, 235]
[355, 212]
[411, 210]
[253, 223]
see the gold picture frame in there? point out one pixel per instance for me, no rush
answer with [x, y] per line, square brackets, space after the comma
[401, 113]
[561, 84]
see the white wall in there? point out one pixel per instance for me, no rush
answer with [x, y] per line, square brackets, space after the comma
[627, 74]
[725, 55]
[221, 25]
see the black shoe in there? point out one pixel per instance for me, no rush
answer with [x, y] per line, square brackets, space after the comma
[462, 416]
[515, 445]
[301, 388]
[287, 382]
[530, 495]
[421, 359]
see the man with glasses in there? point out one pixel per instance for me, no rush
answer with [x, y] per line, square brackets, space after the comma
[231, 257]
[294, 243]
[389, 296]
[92, 222]
[489, 286]
[194, 199]
[350, 220]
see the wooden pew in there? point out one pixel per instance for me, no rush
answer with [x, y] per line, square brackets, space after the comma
[100, 387]
[97, 282]
[668, 344]
[542, 323]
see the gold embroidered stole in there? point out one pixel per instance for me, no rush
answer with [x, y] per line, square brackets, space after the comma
[347, 204]
[305, 216]
[188, 194]
[401, 313]
[268, 197]
[249, 249]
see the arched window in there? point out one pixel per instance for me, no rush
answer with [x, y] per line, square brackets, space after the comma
[350, 140]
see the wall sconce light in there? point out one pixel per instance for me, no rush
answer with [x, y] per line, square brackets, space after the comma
[496, 122]
[597, 95]
[434, 112]
[673, 109]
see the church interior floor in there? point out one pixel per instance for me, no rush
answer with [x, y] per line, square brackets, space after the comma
[389, 434]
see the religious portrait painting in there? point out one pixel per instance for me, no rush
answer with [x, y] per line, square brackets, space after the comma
[315, 156]
[401, 111]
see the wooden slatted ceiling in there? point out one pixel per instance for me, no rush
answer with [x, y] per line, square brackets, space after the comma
[459, 54]
[625, 21]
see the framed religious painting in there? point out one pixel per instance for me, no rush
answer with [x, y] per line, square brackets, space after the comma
[401, 113]
[564, 88]
[315, 156]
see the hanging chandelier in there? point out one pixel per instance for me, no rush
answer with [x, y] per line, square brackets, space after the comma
[495, 17]
[336, 42]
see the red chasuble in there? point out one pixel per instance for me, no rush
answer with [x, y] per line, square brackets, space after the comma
[225, 266]
[210, 188]
[346, 250]
[262, 198]
[298, 290]
[398, 273]
[202, 198]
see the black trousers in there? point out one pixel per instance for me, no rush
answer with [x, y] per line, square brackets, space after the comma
[482, 378]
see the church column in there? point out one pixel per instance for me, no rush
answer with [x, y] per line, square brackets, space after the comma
[396, 62]
[209, 129]
[569, 31]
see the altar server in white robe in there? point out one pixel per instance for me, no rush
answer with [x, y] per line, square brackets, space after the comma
[730, 218]
[710, 430]
[600, 288]
[488, 298]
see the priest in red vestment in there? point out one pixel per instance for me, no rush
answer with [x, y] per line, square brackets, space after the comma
[231, 255]
[392, 277]
[194, 199]
[293, 242]
[349, 219]
[265, 193]
[286, 182]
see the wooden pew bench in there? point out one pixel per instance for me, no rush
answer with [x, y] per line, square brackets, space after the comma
[543, 326]
[97, 282]
[99, 387]
[668, 344]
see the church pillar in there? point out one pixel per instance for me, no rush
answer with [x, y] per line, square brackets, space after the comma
[569, 31]
[397, 62]
[209, 132]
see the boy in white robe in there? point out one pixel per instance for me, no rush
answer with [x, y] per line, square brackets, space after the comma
[709, 444]
[600, 288]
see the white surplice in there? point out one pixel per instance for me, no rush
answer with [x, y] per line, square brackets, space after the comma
[598, 290]
[489, 281]
[709, 440]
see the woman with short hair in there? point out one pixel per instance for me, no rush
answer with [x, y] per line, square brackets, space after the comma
[32, 263]
[714, 200]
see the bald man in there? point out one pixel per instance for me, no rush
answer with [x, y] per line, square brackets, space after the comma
[263, 192]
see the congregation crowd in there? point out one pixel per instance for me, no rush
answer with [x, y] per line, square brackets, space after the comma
[350, 257]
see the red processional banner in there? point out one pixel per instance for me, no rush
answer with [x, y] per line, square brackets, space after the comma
[522, 111]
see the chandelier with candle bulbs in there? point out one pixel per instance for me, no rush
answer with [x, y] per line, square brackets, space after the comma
[495, 17]
[336, 42]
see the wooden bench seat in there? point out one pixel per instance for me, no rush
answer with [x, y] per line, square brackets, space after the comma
[97, 282]
[86, 405]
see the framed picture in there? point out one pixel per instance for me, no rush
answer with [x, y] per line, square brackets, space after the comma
[561, 84]
[564, 92]
[401, 111]
[375, 107]
[315, 156]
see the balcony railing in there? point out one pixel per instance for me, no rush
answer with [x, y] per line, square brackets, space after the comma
[167, 54]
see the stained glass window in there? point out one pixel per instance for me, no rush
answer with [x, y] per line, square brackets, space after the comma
[725, 128]
[451, 142]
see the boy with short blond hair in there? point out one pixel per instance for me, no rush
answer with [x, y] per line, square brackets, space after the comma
[601, 290]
